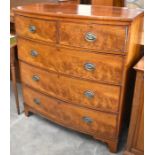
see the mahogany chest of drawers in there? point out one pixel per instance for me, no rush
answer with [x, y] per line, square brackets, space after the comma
[75, 62]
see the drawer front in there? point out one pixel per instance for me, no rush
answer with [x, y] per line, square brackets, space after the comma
[36, 29]
[85, 120]
[103, 68]
[88, 94]
[96, 37]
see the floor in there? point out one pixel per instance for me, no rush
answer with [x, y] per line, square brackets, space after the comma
[35, 135]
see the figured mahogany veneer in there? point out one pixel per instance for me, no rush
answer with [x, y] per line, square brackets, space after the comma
[108, 38]
[75, 63]
[106, 97]
[36, 29]
[70, 115]
[72, 61]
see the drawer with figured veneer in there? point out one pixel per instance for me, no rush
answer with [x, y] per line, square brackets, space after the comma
[80, 92]
[103, 38]
[82, 119]
[38, 29]
[103, 68]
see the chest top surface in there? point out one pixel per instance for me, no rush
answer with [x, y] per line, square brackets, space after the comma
[81, 11]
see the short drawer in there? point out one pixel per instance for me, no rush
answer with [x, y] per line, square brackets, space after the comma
[93, 95]
[103, 68]
[38, 29]
[81, 119]
[103, 38]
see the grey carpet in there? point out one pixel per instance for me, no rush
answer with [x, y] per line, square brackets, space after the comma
[35, 135]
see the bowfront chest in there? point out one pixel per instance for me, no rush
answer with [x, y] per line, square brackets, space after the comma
[75, 64]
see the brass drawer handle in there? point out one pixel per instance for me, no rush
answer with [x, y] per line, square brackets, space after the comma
[90, 37]
[36, 101]
[32, 28]
[35, 78]
[89, 94]
[89, 66]
[34, 53]
[87, 120]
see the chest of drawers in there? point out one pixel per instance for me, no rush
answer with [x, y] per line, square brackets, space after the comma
[75, 64]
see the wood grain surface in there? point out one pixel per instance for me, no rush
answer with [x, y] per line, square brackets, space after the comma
[71, 115]
[106, 97]
[45, 30]
[72, 62]
[108, 38]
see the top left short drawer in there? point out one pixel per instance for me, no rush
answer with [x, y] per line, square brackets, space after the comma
[37, 29]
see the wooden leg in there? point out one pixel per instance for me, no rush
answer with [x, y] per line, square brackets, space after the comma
[13, 73]
[112, 146]
[26, 111]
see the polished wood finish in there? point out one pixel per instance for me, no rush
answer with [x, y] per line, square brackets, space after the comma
[108, 69]
[106, 97]
[45, 30]
[97, 12]
[108, 38]
[15, 3]
[70, 115]
[101, 37]
[135, 142]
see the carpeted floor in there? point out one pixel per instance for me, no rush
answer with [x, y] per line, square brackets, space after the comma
[35, 135]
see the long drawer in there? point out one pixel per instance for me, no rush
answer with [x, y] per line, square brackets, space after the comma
[81, 119]
[103, 38]
[38, 29]
[97, 96]
[103, 68]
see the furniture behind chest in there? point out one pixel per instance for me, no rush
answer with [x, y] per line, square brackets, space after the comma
[13, 62]
[119, 3]
[75, 62]
[135, 142]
